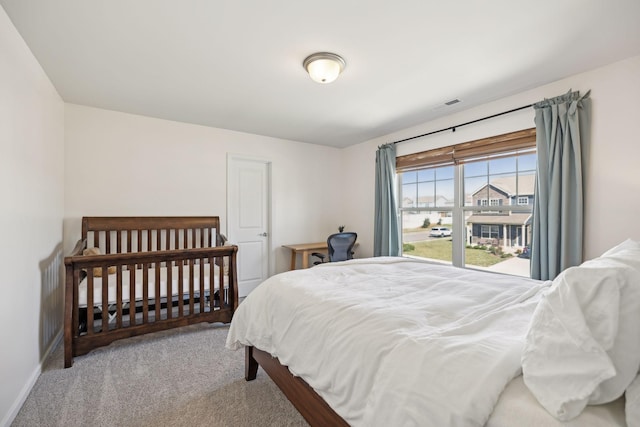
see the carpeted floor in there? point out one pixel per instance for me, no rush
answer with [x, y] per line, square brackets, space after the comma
[182, 377]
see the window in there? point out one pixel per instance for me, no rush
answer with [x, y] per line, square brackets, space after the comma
[452, 190]
[490, 231]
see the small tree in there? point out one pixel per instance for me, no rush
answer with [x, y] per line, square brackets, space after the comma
[426, 223]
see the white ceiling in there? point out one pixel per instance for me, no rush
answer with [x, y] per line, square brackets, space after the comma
[238, 64]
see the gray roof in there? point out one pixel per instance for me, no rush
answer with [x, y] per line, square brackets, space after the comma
[513, 219]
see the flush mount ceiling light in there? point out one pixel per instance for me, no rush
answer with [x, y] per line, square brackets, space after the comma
[324, 67]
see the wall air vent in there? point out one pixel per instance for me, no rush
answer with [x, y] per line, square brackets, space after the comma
[452, 102]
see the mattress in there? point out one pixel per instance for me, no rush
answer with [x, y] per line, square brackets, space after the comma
[518, 407]
[165, 291]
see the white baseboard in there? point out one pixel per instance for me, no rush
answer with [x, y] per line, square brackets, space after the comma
[24, 393]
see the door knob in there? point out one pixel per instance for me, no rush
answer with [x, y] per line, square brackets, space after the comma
[263, 234]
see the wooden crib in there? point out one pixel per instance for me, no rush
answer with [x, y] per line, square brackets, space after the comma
[161, 273]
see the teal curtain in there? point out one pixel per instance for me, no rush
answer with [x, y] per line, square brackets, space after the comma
[386, 234]
[562, 143]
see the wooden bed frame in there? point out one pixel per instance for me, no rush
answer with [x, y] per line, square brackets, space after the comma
[304, 398]
[148, 244]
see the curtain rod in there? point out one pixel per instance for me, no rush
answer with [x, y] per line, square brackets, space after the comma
[453, 128]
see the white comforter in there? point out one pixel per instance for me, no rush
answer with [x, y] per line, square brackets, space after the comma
[394, 341]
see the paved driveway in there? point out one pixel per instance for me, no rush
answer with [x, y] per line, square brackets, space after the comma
[419, 236]
[514, 265]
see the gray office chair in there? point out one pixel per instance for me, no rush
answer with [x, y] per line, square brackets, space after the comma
[339, 246]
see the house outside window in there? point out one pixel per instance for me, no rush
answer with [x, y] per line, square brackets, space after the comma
[523, 201]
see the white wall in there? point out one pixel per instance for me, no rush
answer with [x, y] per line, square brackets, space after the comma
[122, 164]
[32, 192]
[612, 177]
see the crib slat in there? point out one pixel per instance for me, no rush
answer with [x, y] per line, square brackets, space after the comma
[180, 288]
[191, 286]
[149, 232]
[221, 293]
[202, 296]
[107, 238]
[105, 298]
[158, 295]
[169, 267]
[202, 237]
[145, 293]
[212, 281]
[118, 294]
[132, 294]
[128, 241]
[76, 310]
[89, 301]
[119, 241]
[139, 242]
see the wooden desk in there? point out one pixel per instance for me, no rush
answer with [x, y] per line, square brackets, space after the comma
[305, 249]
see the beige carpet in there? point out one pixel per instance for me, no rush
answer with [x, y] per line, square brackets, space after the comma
[182, 377]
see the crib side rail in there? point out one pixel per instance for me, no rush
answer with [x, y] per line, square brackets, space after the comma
[87, 261]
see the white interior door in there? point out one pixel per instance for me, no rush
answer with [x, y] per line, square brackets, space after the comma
[248, 220]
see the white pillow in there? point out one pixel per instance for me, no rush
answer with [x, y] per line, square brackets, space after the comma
[632, 404]
[628, 247]
[582, 346]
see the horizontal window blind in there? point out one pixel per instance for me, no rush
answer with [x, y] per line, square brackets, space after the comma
[522, 140]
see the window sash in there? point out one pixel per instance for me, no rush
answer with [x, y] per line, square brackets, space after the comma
[490, 231]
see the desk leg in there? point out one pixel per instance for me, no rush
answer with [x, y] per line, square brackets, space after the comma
[293, 259]
[305, 259]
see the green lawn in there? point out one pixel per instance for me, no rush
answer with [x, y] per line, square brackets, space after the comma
[441, 249]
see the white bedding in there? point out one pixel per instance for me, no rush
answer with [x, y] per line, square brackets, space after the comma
[97, 284]
[394, 341]
[517, 406]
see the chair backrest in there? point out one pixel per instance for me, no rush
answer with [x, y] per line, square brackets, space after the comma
[340, 246]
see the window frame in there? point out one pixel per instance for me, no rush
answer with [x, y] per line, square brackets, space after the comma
[523, 143]
[491, 233]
